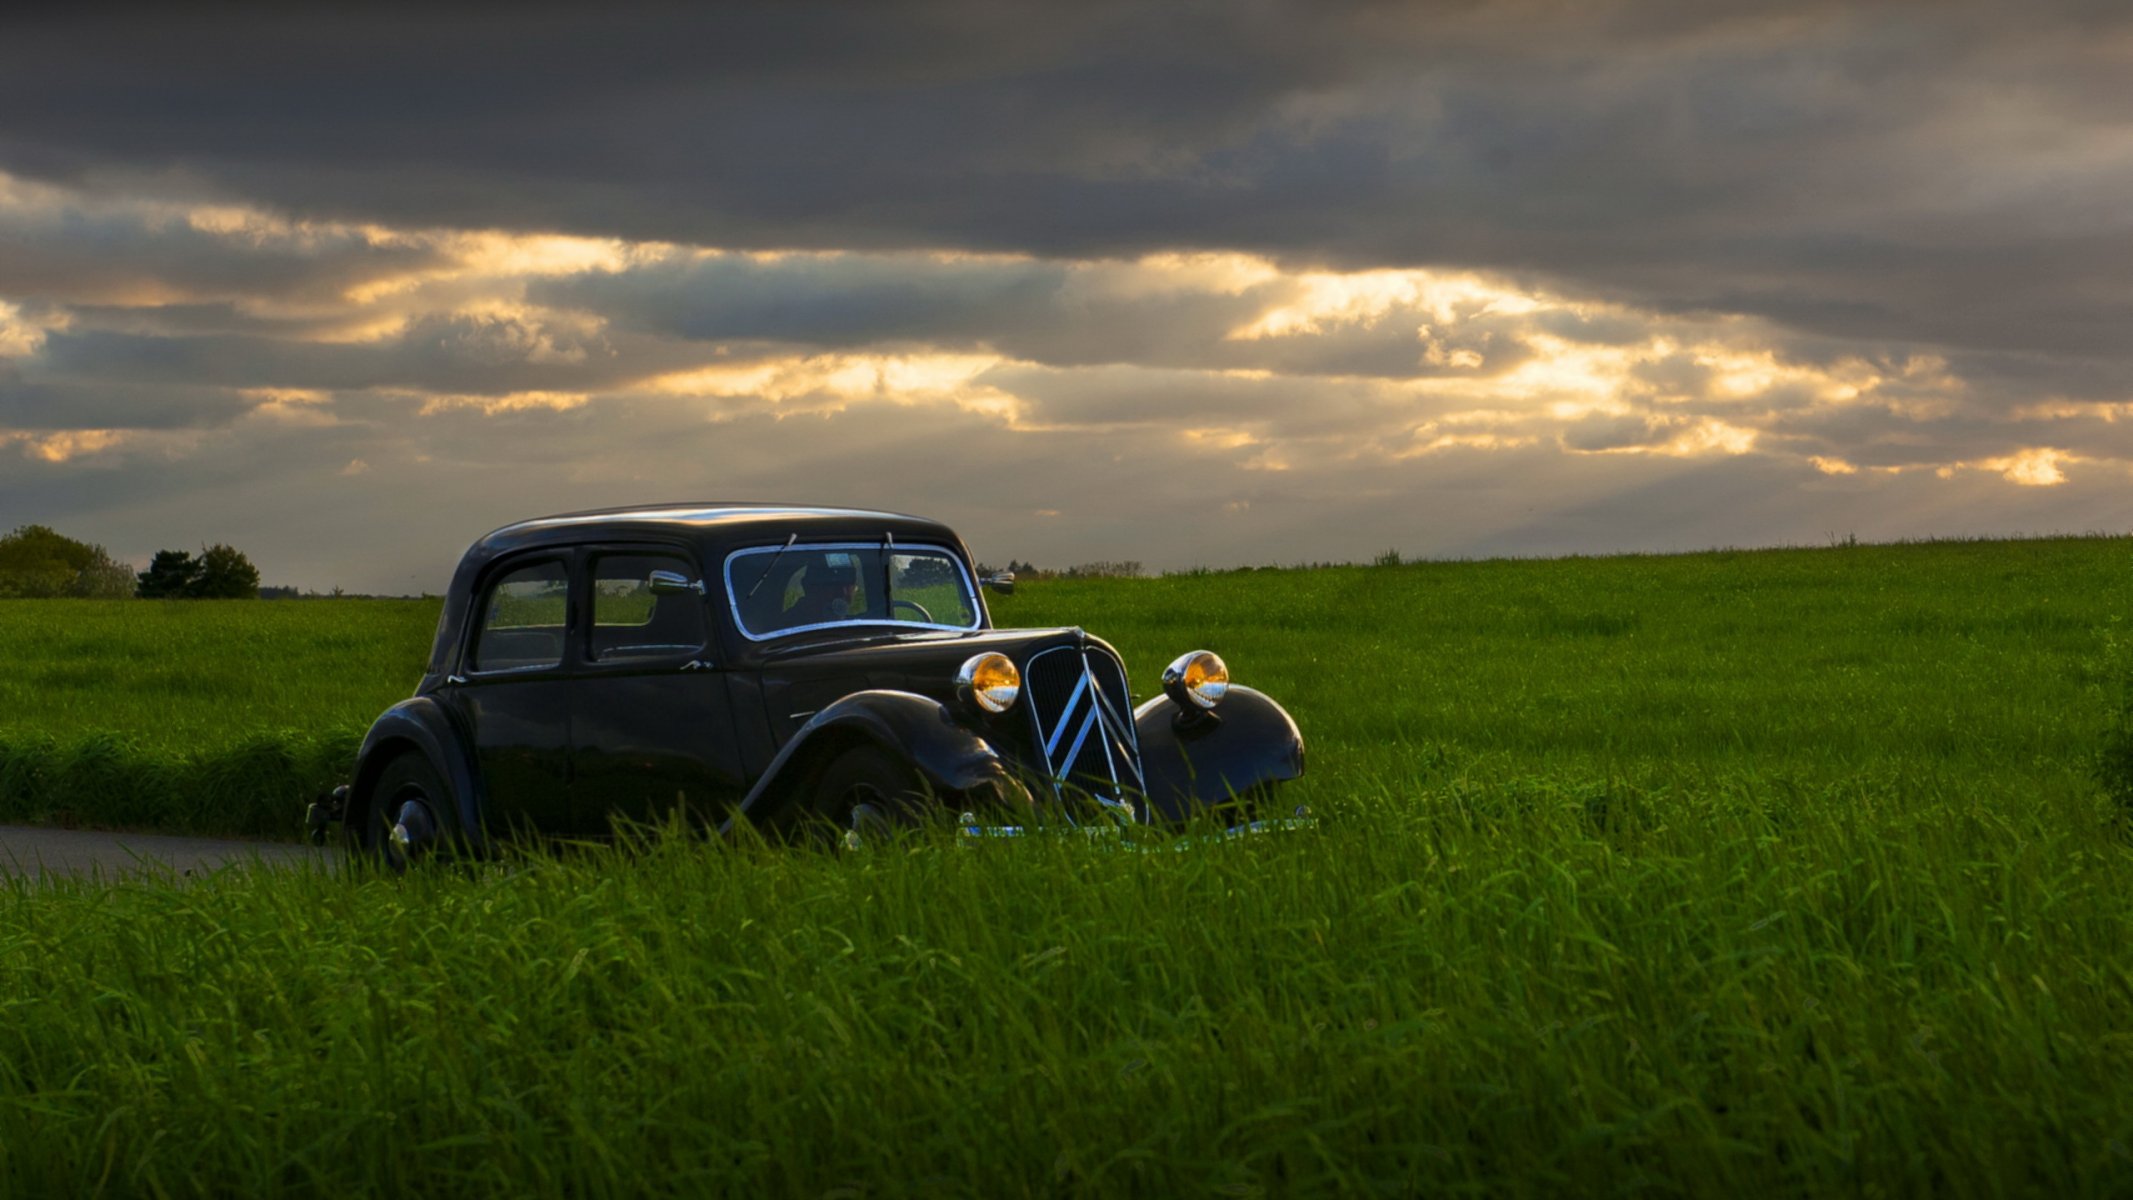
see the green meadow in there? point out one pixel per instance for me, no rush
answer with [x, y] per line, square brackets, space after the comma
[1780, 872]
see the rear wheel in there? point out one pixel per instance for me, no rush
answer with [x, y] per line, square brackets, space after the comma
[868, 795]
[412, 815]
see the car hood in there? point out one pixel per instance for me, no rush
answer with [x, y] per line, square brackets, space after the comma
[805, 678]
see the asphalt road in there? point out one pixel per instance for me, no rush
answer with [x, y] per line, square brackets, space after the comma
[26, 850]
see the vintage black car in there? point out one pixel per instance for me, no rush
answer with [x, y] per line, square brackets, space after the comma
[791, 668]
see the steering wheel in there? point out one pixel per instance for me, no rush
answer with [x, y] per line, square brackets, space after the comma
[914, 606]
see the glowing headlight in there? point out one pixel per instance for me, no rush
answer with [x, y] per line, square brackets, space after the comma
[991, 680]
[1199, 678]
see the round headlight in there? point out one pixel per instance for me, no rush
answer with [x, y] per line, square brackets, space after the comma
[1199, 678]
[991, 681]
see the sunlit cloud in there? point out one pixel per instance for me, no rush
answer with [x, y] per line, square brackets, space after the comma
[65, 446]
[1320, 300]
[19, 336]
[841, 378]
[2038, 466]
[509, 402]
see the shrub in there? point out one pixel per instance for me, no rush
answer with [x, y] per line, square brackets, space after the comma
[38, 563]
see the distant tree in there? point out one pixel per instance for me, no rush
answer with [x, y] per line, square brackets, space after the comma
[221, 572]
[37, 562]
[171, 575]
[226, 574]
[105, 578]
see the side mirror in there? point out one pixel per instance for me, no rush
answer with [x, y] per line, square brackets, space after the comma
[674, 583]
[1003, 583]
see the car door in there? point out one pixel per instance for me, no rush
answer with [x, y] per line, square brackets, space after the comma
[651, 730]
[513, 690]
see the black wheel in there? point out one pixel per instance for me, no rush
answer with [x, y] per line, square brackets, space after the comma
[868, 794]
[914, 606]
[412, 815]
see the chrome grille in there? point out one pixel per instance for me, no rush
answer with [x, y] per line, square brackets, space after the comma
[1083, 716]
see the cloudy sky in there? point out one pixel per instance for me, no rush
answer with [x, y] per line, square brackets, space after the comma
[1190, 284]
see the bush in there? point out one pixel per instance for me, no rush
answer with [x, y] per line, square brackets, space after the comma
[257, 787]
[38, 563]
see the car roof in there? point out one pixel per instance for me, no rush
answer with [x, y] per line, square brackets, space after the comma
[716, 527]
[732, 522]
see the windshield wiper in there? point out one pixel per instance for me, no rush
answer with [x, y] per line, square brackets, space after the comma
[770, 567]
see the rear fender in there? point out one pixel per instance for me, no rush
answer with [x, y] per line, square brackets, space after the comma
[1199, 760]
[958, 764]
[421, 725]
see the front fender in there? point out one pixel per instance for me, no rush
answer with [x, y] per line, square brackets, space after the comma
[421, 725]
[1198, 760]
[953, 759]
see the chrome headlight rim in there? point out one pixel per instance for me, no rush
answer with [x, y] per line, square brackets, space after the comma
[1197, 690]
[987, 692]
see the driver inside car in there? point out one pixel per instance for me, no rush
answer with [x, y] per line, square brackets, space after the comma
[826, 591]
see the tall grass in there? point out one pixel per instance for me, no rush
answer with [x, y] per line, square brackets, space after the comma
[1896, 990]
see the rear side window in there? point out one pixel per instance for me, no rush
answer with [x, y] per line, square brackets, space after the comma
[522, 619]
[632, 621]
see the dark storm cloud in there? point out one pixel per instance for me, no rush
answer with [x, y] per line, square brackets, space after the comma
[212, 317]
[1612, 432]
[1056, 313]
[1940, 173]
[67, 404]
[65, 247]
[469, 354]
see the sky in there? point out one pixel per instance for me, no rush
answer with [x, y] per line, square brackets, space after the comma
[1193, 285]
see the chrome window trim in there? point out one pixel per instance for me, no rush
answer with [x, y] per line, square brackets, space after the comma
[499, 672]
[494, 576]
[962, 570]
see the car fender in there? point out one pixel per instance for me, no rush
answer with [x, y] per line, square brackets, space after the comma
[953, 759]
[421, 724]
[1199, 759]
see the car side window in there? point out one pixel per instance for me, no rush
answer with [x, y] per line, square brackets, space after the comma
[632, 621]
[522, 619]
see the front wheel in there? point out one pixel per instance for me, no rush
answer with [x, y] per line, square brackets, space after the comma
[868, 794]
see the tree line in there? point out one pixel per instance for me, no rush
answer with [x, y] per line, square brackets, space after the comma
[39, 563]
[1105, 569]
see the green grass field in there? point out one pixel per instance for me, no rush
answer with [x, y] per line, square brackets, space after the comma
[1777, 873]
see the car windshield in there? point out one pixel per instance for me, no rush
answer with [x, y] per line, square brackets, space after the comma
[784, 589]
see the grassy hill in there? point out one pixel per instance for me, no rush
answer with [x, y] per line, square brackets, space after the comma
[1911, 665]
[1736, 873]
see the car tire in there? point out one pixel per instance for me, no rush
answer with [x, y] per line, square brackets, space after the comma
[409, 795]
[868, 794]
